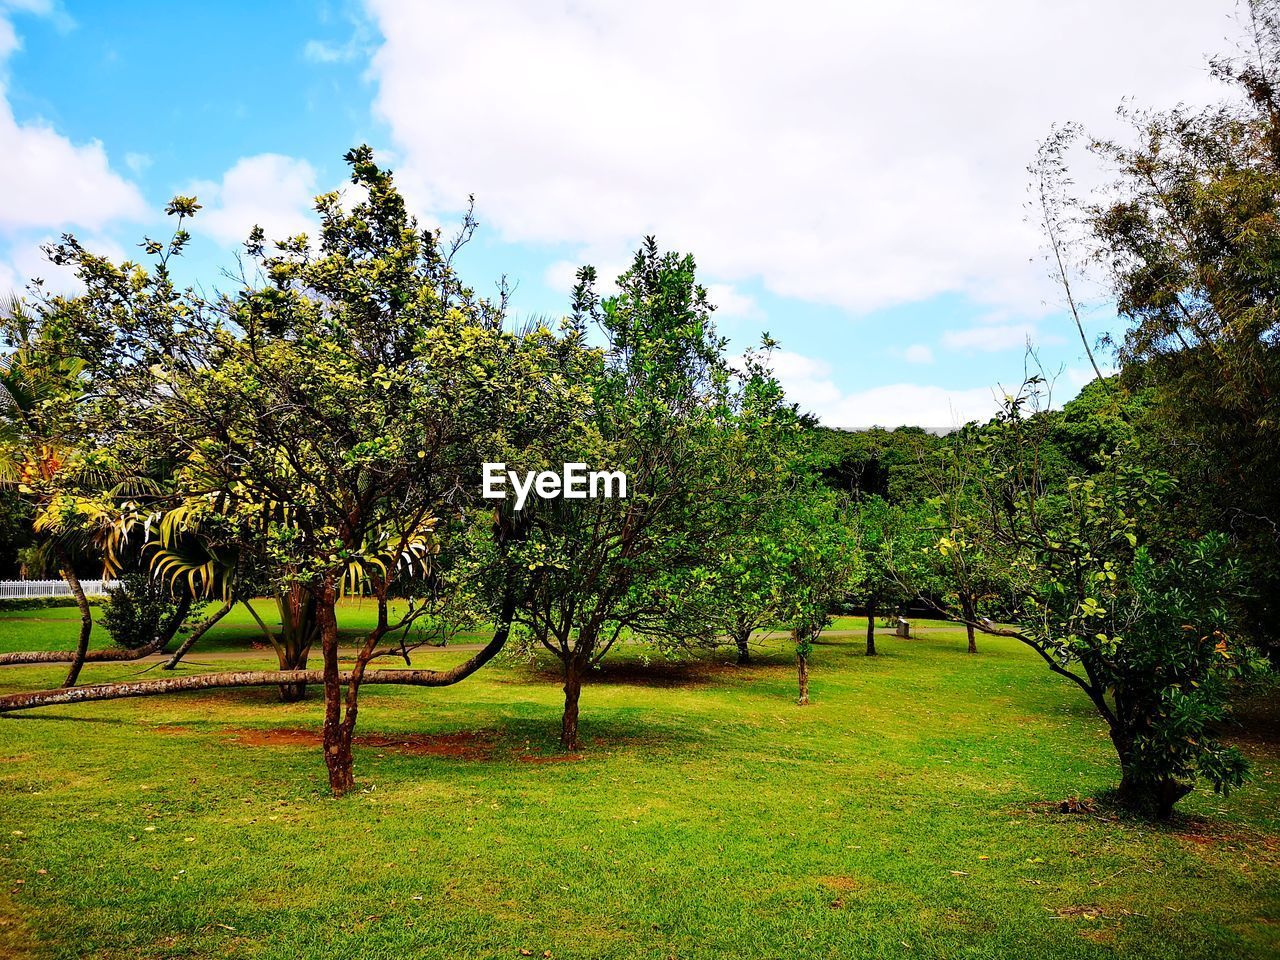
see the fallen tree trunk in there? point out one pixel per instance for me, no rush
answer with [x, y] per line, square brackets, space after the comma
[109, 655]
[250, 678]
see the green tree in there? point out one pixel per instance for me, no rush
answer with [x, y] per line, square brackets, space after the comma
[877, 526]
[1188, 235]
[141, 613]
[44, 453]
[968, 573]
[666, 411]
[747, 587]
[821, 563]
[1138, 617]
[341, 398]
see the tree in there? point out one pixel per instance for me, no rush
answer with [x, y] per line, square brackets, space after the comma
[666, 411]
[1187, 232]
[966, 572]
[341, 398]
[141, 614]
[821, 562]
[41, 450]
[749, 581]
[217, 547]
[875, 524]
[1137, 615]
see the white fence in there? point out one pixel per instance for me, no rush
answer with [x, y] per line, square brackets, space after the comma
[24, 589]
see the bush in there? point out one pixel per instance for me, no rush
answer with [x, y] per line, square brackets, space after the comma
[142, 608]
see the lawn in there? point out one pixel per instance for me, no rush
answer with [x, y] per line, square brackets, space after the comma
[53, 628]
[909, 811]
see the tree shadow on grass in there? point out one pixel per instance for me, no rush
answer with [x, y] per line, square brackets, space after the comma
[699, 671]
[510, 739]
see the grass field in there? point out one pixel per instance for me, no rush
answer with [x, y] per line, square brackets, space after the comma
[908, 812]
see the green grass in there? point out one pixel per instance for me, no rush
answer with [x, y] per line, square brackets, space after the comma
[905, 813]
[54, 628]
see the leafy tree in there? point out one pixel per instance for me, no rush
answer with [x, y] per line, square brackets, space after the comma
[142, 613]
[821, 563]
[43, 453]
[1097, 422]
[1188, 234]
[750, 580]
[874, 462]
[340, 400]
[16, 535]
[877, 525]
[967, 572]
[666, 411]
[1139, 618]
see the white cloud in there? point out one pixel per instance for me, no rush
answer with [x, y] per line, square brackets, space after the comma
[1077, 377]
[562, 275]
[808, 382]
[8, 39]
[50, 183]
[853, 154]
[989, 338]
[917, 353]
[270, 190]
[730, 303]
[23, 261]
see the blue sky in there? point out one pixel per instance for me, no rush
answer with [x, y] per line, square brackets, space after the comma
[850, 177]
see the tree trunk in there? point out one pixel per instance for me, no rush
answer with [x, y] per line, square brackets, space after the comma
[970, 612]
[337, 739]
[802, 674]
[86, 616]
[1147, 797]
[196, 633]
[299, 625]
[1156, 798]
[871, 629]
[291, 660]
[743, 640]
[573, 671]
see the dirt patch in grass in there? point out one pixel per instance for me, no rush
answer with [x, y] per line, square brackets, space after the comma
[1202, 832]
[1099, 935]
[1073, 807]
[16, 939]
[463, 745]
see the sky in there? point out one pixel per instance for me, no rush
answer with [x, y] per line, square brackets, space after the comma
[851, 177]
